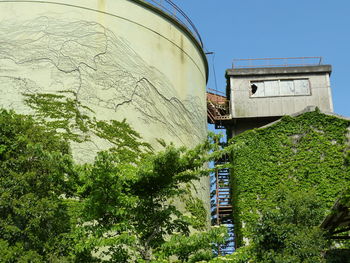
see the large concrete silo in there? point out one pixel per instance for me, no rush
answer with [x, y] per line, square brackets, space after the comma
[123, 58]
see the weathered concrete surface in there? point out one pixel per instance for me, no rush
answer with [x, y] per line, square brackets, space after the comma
[243, 124]
[245, 105]
[123, 59]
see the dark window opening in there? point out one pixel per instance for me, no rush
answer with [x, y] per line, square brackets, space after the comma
[254, 88]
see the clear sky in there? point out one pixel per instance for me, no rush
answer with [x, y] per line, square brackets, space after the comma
[276, 28]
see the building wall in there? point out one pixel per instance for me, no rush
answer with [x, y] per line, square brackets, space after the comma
[242, 125]
[244, 104]
[122, 58]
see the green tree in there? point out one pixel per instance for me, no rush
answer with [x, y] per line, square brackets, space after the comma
[124, 207]
[289, 230]
[36, 170]
[134, 205]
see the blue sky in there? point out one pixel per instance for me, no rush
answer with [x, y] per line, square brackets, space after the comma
[276, 28]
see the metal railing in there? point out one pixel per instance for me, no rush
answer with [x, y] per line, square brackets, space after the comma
[180, 16]
[276, 62]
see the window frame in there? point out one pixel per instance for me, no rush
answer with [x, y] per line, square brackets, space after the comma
[251, 82]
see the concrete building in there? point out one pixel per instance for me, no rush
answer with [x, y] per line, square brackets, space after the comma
[260, 95]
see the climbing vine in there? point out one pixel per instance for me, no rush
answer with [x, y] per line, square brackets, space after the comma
[305, 152]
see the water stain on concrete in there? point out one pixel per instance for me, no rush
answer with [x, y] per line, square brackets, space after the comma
[101, 6]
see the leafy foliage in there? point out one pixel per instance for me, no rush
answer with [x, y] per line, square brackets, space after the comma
[123, 207]
[304, 152]
[194, 248]
[290, 232]
[64, 114]
[134, 208]
[36, 169]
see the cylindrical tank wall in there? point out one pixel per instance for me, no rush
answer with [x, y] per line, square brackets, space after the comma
[122, 58]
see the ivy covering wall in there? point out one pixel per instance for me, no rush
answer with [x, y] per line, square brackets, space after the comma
[303, 152]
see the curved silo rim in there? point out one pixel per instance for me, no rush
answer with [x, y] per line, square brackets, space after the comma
[182, 27]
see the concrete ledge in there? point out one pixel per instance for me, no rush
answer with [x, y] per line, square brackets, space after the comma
[278, 70]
